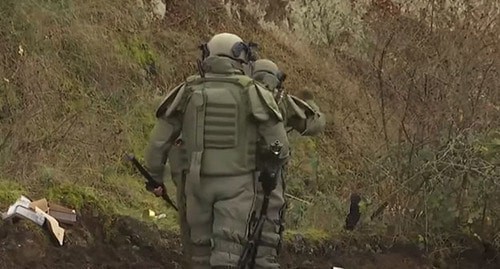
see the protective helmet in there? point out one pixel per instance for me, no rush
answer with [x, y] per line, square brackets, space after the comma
[229, 45]
[268, 66]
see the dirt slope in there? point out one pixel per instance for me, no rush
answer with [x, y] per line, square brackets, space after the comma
[136, 245]
[124, 242]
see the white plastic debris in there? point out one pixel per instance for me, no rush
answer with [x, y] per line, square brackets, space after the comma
[21, 208]
[24, 208]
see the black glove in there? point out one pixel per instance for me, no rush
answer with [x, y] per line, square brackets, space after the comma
[150, 186]
[269, 180]
[271, 166]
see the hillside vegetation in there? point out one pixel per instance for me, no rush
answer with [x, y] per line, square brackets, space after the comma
[411, 95]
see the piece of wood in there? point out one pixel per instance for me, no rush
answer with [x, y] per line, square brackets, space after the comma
[54, 227]
[62, 214]
[42, 204]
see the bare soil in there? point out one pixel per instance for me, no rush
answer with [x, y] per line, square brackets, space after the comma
[123, 242]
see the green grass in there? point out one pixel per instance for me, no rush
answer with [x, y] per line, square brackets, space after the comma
[10, 191]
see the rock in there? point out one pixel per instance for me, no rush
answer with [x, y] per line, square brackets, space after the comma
[153, 10]
[159, 9]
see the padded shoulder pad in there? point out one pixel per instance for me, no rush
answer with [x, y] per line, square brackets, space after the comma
[299, 106]
[262, 102]
[193, 78]
[244, 80]
[170, 102]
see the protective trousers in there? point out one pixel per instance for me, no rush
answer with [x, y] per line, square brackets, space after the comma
[184, 228]
[218, 215]
[175, 170]
[267, 253]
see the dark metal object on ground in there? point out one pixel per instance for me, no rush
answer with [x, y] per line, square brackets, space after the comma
[354, 213]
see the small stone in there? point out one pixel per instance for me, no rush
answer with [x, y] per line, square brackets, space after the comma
[159, 8]
[161, 216]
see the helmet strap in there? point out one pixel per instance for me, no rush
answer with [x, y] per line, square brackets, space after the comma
[281, 76]
[204, 51]
[252, 47]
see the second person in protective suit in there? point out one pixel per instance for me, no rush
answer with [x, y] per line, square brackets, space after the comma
[302, 116]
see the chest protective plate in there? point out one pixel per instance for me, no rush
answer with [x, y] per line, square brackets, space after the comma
[218, 122]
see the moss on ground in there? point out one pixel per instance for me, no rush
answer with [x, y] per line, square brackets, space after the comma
[10, 191]
[77, 197]
[314, 236]
[138, 50]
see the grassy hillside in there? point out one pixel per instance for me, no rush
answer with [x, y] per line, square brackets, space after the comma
[80, 81]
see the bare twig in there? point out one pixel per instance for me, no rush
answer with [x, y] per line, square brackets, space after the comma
[464, 167]
[431, 28]
[5, 139]
[422, 170]
[483, 217]
[475, 101]
[426, 218]
[298, 199]
[381, 87]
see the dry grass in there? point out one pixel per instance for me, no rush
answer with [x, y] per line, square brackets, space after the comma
[79, 95]
[431, 98]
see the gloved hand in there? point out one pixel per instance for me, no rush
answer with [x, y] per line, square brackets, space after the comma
[156, 188]
[271, 165]
[269, 180]
[159, 192]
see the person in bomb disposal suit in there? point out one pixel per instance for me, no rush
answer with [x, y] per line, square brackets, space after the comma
[299, 114]
[225, 119]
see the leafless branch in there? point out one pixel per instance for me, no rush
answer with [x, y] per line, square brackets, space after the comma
[4, 141]
[381, 87]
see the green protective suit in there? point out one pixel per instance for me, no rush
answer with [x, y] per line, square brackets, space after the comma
[222, 118]
[305, 118]
[177, 160]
